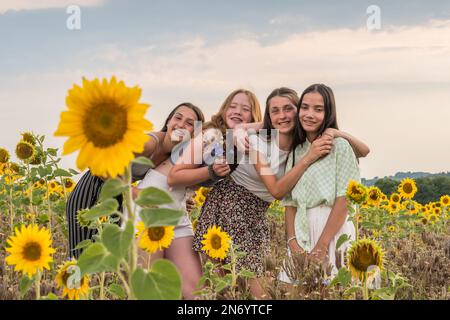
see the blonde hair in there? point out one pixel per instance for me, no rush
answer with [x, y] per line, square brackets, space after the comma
[218, 120]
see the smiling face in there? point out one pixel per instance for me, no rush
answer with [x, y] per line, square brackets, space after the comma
[312, 112]
[282, 114]
[181, 125]
[239, 111]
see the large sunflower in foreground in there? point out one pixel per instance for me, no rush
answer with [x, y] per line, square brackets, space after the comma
[30, 249]
[362, 256]
[216, 243]
[106, 122]
[154, 238]
[407, 188]
[71, 289]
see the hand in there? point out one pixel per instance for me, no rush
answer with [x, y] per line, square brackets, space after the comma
[333, 133]
[319, 148]
[221, 169]
[295, 247]
[190, 204]
[320, 253]
[240, 138]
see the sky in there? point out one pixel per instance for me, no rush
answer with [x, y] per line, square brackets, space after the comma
[392, 84]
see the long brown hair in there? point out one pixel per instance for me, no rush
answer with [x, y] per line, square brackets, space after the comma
[218, 120]
[197, 111]
[330, 119]
[285, 92]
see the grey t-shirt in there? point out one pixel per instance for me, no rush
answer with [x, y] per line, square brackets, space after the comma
[246, 174]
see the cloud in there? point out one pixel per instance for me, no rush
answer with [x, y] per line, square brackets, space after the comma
[18, 5]
[391, 86]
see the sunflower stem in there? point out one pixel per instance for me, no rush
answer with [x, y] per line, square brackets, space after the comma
[37, 284]
[102, 286]
[365, 289]
[131, 217]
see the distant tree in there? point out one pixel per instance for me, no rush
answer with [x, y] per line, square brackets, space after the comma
[430, 188]
[387, 185]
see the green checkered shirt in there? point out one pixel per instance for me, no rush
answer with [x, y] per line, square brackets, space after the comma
[321, 184]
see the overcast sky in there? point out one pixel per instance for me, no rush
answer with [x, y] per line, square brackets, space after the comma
[392, 85]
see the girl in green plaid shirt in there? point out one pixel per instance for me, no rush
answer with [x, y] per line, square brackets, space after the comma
[316, 208]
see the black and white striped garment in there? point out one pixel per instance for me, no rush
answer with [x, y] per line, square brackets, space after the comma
[84, 196]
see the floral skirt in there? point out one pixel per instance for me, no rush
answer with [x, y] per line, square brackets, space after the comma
[243, 216]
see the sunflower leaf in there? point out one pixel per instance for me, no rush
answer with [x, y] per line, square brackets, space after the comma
[152, 196]
[90, 260]
[343, 238]
[25, 284]
[163, 282]
[112, 188]
[83, 244]
[117, 291]
[111, 236]
[144, 161]
[126, 238]
[61, 173]
[156, 217]
[104, 208]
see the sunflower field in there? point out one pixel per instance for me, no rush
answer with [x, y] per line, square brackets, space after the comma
[401, 251]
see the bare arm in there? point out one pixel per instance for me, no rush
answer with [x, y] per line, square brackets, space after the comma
[188, 171]
[278, 188]
[360, 149]
[290, 229]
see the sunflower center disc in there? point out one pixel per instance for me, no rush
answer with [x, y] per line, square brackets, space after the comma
[364, 259]
[32, 251]
[216, 242]
[156, 233]
[407, 188]
[24, 151]
[355, 191]
[105, 124]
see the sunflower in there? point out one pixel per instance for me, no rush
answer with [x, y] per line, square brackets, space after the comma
[445, 200]
[28, 137]
[38, 157]
[393, 207]
[363, 254]
[106, 122]
[407, 188]
[69, 184]
[436, 211]
[4, 156]
[395, 197]
[373, 196]
[356, 192]
[199, 199]
[154, 238]
[30, 249]
[72, 290]
[25, 151]
[432, 218]
[411, 206]
[216, 243]
[392, 229]
[53, 186]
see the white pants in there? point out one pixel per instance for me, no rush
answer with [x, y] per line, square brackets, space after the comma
[317, 219]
